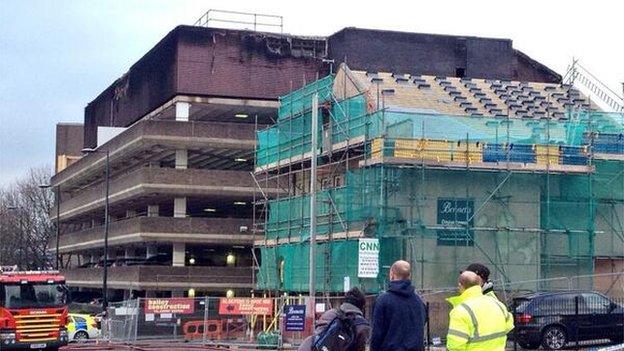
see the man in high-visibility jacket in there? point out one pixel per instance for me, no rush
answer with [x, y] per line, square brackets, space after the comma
[477, 322]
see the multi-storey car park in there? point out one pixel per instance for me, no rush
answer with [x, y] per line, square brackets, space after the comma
[180, 152]
[179, 130]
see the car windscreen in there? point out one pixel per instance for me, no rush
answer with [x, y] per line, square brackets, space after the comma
[34, 295]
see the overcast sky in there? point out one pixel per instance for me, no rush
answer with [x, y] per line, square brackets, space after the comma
[56, 56]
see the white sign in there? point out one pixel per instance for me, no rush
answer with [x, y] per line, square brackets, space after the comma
[320, 307]
[346, 283]
[368, 258]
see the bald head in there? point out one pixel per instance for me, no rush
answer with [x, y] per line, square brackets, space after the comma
[400, 270]
[468, 279]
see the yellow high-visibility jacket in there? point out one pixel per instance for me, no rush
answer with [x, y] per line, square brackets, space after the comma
[477, 322]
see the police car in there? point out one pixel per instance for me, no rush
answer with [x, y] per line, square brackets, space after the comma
[82, 327]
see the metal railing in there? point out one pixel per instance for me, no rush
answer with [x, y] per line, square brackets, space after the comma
[256, 20]
[265, 322]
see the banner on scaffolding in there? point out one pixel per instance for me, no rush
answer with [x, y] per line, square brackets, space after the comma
[169, 306]
[455, 213]
[368, 258]
[246, 306]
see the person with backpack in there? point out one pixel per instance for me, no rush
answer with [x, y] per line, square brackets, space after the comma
[341, 329]
[399, 314]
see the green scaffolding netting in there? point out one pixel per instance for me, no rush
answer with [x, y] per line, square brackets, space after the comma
[300, 100]
[534, 228]
[348, 120]
[290, 137]
[528, 227]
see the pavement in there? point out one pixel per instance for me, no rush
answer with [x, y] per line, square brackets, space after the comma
[181, 346]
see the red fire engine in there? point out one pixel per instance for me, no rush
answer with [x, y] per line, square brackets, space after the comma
[33, 310]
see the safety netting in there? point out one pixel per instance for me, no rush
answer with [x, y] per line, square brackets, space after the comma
[494, 138]
[528, 224]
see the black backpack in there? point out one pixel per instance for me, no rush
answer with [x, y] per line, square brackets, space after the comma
[339, 335]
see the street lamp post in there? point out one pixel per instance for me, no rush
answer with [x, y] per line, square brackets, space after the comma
[57, 198]
[105, 270]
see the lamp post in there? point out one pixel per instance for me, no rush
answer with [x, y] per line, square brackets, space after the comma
[105, 270]
[57, 198]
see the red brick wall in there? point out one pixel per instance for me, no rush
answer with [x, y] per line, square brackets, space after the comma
[200, 61]
[237, 64]
[609, 277]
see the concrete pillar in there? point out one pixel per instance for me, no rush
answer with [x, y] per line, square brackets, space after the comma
[179, 207]
[182, 111]
[129, 252]
[94, 258]
[130, 213]
[152, 210]
[181, 159]
[150, 250]
[178, 255]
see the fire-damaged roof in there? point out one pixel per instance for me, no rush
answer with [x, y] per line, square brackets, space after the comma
[207, 62]
[242, 64]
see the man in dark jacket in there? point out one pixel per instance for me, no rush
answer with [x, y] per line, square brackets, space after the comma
[353, 305]
[399, 314]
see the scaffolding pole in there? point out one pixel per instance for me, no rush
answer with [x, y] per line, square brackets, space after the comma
[314, 144]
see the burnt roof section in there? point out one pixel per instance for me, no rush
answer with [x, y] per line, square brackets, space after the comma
[243, 64]
[209, 62]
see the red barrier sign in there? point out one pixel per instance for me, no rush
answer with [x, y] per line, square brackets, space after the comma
[172, 305]
[246, 306]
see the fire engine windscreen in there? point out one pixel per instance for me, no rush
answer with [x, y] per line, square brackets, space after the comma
[33, 295]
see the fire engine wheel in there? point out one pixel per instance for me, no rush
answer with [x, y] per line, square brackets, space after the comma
[81, 336]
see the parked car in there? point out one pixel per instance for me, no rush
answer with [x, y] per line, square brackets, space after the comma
[82, 327]
[555, 319]
[160, 259]
[128, 261]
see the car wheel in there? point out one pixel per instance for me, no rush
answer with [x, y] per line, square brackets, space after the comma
[529, 346]
[81, 336]
[554, 338]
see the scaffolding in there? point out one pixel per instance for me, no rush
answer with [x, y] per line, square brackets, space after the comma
[533, 199]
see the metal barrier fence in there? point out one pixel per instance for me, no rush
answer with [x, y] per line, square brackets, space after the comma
[285, 321]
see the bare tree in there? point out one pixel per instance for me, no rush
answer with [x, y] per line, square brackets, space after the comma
[25, 225]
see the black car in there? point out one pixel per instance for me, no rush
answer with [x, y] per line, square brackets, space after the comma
[555, 319]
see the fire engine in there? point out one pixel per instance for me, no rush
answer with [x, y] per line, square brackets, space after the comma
[33, 310]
